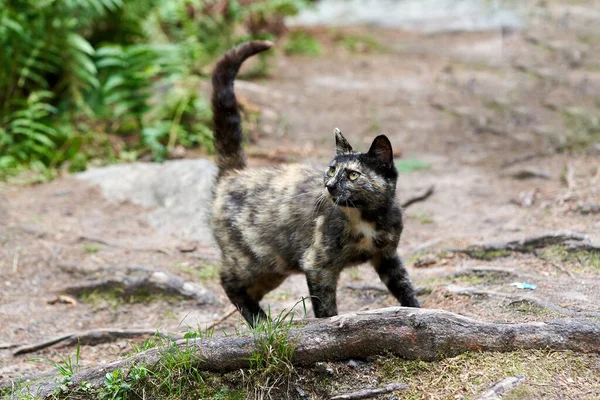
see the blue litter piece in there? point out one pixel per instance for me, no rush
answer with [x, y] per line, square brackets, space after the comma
[524, 285]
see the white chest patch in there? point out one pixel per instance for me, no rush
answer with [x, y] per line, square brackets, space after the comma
[358, 227]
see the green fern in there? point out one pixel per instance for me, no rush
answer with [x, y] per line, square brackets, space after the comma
[27, 135]
[73, 72]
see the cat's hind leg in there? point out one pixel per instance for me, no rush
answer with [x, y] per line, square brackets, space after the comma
[236, 289]
[247, 295]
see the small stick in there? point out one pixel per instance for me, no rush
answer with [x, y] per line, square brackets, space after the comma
[419, 198]
[503, 387]
[4, 346]
[371, 392]
[15, 265]
[221, 319]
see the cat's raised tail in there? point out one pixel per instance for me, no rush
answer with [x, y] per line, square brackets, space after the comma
[226, 116]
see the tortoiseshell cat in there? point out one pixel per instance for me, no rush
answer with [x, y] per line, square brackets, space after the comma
[277, 221]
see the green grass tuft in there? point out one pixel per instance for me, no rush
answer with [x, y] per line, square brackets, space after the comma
[302, 43]
[410, 165]
[357, 43]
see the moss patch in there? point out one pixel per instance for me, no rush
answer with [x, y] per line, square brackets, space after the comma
[576, 261]
[548, 374]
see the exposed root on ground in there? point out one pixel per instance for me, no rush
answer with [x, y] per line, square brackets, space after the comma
[406, 332]
[136, 281]
[421, 290]
[515, 299]
[490, 271]
[528, 245]
[93, 337]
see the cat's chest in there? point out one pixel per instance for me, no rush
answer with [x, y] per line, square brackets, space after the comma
[363, 236]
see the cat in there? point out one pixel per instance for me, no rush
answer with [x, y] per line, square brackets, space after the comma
[276, 221]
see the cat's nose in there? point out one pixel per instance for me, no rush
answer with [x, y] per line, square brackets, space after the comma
[332, 188]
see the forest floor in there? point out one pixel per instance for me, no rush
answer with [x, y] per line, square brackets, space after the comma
[504, 125]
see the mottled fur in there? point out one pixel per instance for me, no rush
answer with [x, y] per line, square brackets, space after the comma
[277, 221]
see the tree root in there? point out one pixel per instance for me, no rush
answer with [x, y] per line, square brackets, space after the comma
[527, 245]
[370, 392]
[406, 332]
[98, 336]
[421, 290]
[491, 270]
[92, 337]
[133, 281]
[418, 198]
[514, 298]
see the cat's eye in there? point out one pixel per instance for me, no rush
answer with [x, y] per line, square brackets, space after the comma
[331, 171]
[353, 175]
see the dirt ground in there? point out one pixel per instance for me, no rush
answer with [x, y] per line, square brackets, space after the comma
[505, 126]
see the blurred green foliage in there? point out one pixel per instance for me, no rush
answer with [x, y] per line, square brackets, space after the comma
[112, 79]
[302, 43]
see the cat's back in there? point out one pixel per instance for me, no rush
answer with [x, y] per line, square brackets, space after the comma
[273, 207]
[266, 187]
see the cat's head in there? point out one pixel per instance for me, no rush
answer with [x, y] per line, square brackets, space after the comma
[361, 180]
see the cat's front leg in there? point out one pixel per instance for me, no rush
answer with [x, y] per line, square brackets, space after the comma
[322, 285]
[394, 275]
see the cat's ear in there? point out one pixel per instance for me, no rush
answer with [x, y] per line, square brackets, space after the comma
[341, 144]
[381, 150]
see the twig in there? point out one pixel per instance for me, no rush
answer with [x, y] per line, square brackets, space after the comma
[503, 387]
[15, 264]
[525, 157]
[4, 346]
[221, 319]
[419, 198]
[469, 291]
[92, 337]
[371, 392]
[86, 238]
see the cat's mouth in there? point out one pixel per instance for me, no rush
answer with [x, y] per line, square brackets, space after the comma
[340, 202]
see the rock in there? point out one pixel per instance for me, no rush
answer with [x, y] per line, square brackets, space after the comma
[590, 208]
[425, 261]
[179, 191]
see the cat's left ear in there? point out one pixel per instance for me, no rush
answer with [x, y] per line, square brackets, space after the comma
[381, 150]
[341, 144]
